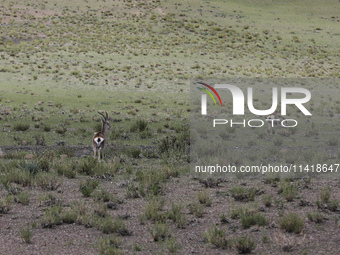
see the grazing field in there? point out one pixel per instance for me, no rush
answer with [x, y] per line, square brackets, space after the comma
[63, 61]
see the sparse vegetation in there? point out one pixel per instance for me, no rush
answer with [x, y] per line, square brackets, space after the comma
[267, 200]
[204, 198]
[26, 234]
[88, 186]
[153, 210]
[291, 222]
[240, 193]
[23, 198]
[52, 217]
[62, 63]
[21, 127]
[216, 237]
[250, 219]
[160, 232]
[177, 215]
[6, 204]
[289, 191]
[315, 217]
[70, 216]
[244, 245]
[110, 245]
[140, 126]
[197, 209]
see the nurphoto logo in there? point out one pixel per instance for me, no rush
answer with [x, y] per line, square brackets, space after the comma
[238, 98]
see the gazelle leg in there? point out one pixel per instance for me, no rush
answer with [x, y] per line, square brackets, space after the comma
[99, 154]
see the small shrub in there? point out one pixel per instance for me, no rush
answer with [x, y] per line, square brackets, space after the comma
[251, 219]
[44, 164]
[279, 203]
[88, 186]
[176, 214]
[87, 166]
[325, 202]
[172, 245]
[135, 152]
[70, 216]
[333, 205]
[119, 227]
[236, 212]
[19, 176]
[160, 232]
[332, 142]
[26, 234]
[204, 198]
[65, 170]
[47, 128]
[142, 219]
[267, 200]
[49, 199]
[100, 209]
[32, 167]
[76, 73]
[244, 245]
[197, 209]
[21, 127]
[176, 143]
[240, 193]
[153, 210]
[52, 217]
[110, 245]
[11, 188]
[40, 140]
[289, 191]
[61, 130]
[74, 110]
[325, 194]
[140, 126]
[145, 134]
[15, 155]
[137, 247]
[102, 195]
[265, 239]
[47, 181]
[132, 191]
[81, 210]
[6, 204]
[216, 237]
[65, 150]
[272, 179]
[151, 182]
[23, 198]
[315, 217]
[291, 222]
[223, 219]
[106, 225]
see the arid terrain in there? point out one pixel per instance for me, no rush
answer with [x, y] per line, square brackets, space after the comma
[62, 62]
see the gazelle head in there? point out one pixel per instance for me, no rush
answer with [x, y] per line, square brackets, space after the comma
[105, 121]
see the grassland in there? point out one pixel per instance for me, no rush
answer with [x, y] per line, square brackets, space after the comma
[62, 61]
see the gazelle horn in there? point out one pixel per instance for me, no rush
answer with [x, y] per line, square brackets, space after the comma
[105, 118]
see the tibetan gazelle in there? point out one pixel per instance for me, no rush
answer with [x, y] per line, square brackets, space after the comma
[99, 138]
